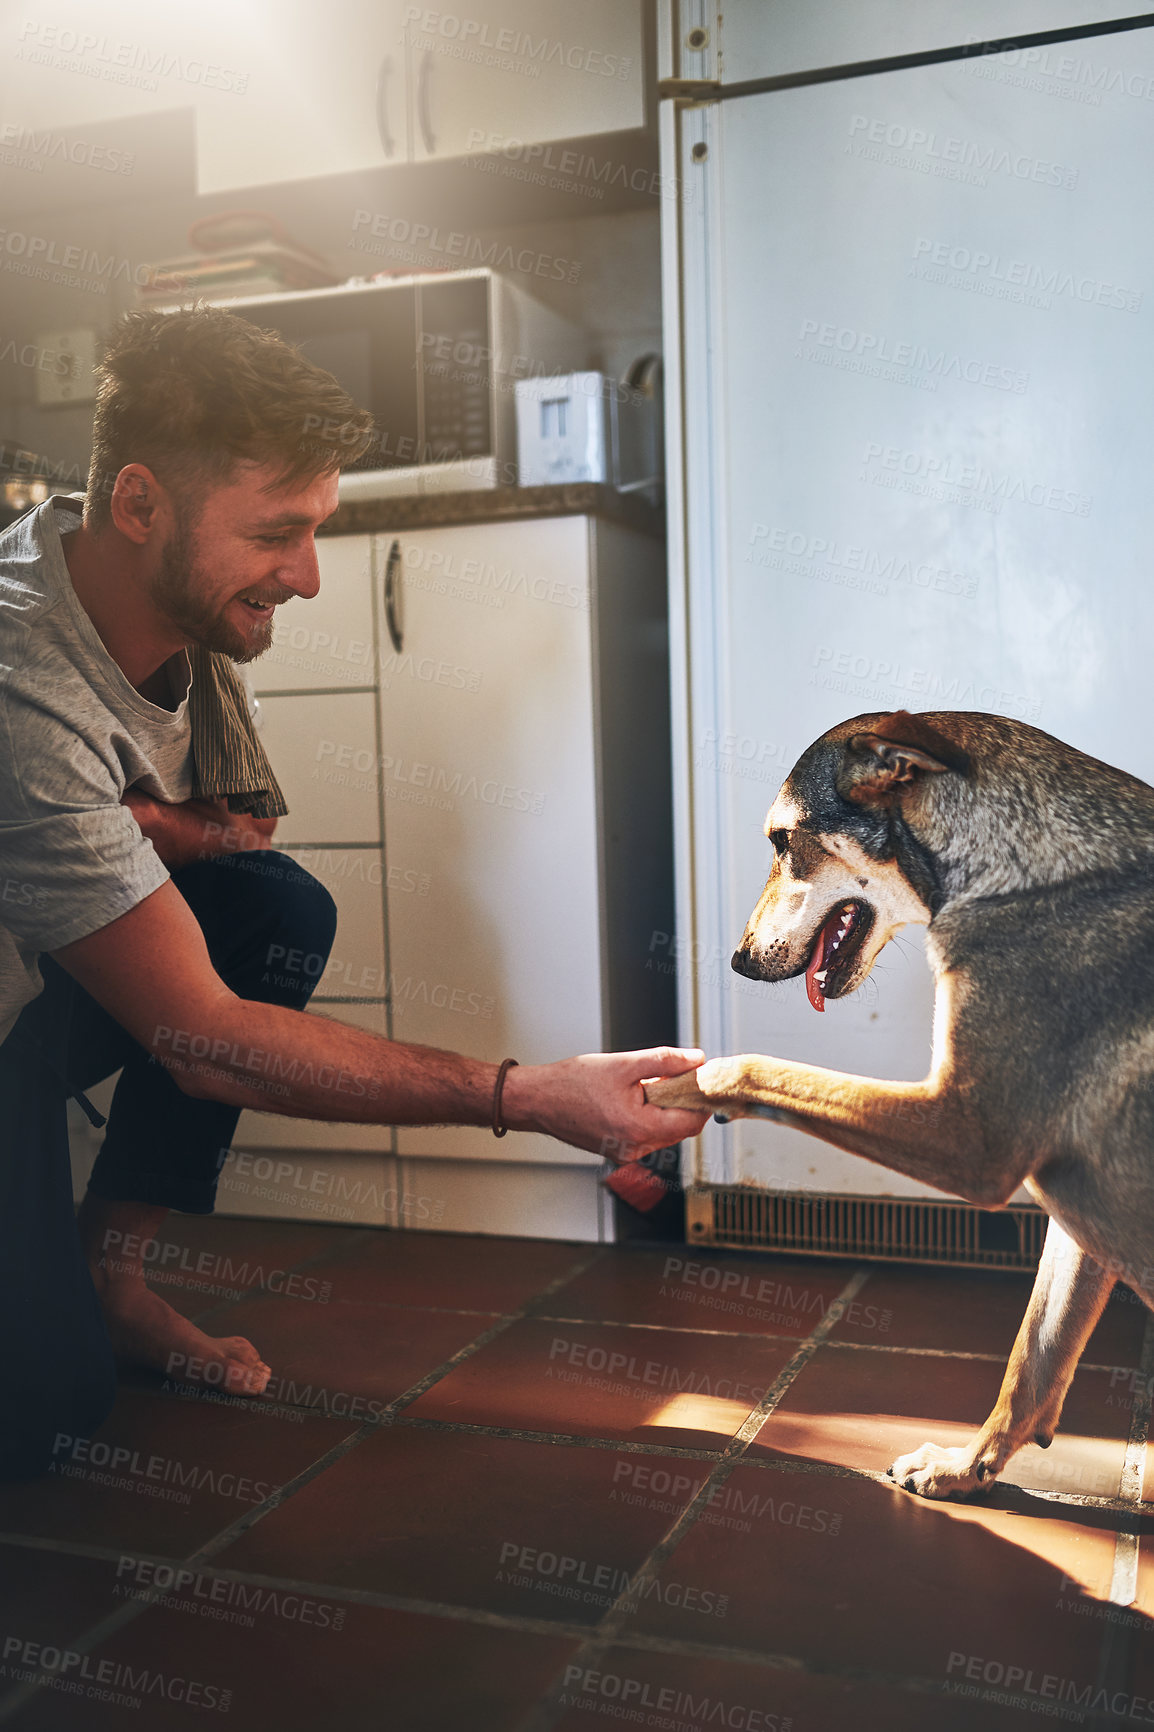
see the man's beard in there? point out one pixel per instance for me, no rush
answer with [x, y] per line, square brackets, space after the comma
[178, 591]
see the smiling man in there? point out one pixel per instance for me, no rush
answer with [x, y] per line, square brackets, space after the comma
[133, 931]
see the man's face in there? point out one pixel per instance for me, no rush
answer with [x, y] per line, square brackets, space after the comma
[237, 551]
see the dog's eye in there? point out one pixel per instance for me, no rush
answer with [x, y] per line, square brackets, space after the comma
[779, 841]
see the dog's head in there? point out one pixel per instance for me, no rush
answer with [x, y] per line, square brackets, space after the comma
[848, 867]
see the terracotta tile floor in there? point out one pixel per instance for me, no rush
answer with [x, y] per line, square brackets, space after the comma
[512, 1486]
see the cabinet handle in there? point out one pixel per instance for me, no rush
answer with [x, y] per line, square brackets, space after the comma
[423, 101]
[384, 74]
[393, 596]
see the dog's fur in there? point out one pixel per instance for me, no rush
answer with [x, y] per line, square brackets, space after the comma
[1033, 867]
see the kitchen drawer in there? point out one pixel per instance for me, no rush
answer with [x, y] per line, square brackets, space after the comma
[325, 643]
[522, 72]
[323, 749]
[352, 876]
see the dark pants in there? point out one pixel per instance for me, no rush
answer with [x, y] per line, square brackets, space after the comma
[161, 1146]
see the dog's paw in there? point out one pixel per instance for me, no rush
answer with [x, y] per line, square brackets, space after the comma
[713, 1088]
[933, 1471]
[678, 1091]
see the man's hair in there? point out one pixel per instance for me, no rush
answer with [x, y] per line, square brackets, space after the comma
[191, 394]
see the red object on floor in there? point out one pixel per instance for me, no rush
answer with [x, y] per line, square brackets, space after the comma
[637, 1186]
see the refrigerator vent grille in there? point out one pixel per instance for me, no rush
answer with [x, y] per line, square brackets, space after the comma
[888, 1229]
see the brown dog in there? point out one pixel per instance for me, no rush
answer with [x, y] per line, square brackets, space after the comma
[1033, 867]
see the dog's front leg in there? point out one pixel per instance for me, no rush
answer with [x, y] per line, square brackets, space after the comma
[929, 1130]
[1069, 1295]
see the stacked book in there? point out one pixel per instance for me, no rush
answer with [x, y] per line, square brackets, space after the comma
[242, 253]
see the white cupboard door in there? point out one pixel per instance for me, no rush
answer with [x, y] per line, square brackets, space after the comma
[326, 94]
[488, 778]
[325, 643]
[520, 72]
[323, 750]
[355, 879]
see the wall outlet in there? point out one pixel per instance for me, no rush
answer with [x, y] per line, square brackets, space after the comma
[64, 373]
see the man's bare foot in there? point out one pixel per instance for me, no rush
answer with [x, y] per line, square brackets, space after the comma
[144, 1329]
[141, 1326]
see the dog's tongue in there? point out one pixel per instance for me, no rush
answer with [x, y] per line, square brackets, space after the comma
[813, 986]
[816, 996]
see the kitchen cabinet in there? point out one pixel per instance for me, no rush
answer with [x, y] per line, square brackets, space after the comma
[471, 726]
[490, 781]
[522, 72]
[331, 97]
[297, 91]
[397, 83]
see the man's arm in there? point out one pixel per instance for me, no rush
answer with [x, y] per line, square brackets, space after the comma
[152, 972]
[195, 829]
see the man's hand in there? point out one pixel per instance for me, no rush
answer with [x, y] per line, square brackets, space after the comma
[196, 829]
[597, 1101]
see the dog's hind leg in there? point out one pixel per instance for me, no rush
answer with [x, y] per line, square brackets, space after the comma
[1070, 1293]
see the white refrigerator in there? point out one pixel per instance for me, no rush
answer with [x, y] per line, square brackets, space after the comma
[911, 442]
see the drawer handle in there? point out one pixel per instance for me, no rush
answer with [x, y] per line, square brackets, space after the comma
[393, 596]
[423, 102]
[387, 143]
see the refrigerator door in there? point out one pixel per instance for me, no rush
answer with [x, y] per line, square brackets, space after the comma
[916, 356]
[770, 38]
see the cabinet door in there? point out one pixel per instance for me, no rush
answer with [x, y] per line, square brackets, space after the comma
[326, 94]
[488, 778]
[523, 71]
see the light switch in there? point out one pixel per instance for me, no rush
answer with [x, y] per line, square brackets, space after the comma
[65, 373]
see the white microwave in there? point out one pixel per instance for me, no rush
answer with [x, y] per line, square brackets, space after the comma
[435, 358]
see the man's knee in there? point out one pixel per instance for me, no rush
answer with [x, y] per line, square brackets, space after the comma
[269, 923]
[298, 923]
[300, 904]
[262, 890]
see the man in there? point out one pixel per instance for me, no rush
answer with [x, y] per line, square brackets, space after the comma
[131, 933]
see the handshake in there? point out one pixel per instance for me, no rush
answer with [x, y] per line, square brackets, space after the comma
[645, 1175]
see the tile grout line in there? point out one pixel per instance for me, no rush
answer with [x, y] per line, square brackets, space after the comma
[642, 1641]
[1124, 1580]
[893, 1348]
[543, 1717]
[774, 1465]
[513, 1621]
[664, 1328]
[126, 1614]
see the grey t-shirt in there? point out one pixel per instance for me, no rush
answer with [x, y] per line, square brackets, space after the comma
[73, 736]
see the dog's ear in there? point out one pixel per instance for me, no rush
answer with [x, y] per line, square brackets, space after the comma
[890, 758]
